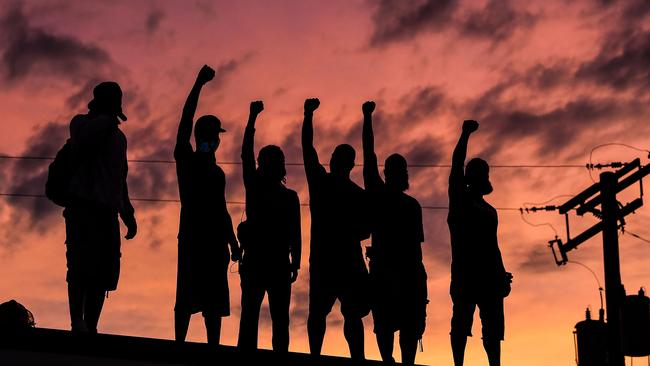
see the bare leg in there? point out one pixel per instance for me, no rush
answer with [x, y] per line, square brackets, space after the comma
[213, 328]
[316, 326]
[76, 303]
[181, 324]
[385, 343]
[493, 350]
[93, 308]
[408, 345]
[458, 343]
[353, 331]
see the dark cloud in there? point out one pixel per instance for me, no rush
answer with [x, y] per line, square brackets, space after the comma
[558, 128]
[30, 51]
[545, 77]
[227, 68]
[152, 24]
[538, 260]
[29, 177]
[83, 95]
[420, 104]
[497, 21]
[403, 20]
[623, 62]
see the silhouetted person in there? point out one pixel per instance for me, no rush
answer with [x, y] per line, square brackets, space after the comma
[100, 194]
[397, 274]
[338, 224]
[478, 277]
[272, 244]
[205, 228]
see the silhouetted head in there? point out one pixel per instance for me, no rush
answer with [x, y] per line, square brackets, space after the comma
[107, 99]
[270, 164]
[342, 160]
[396, 172]
[477, 176]
[206, 133]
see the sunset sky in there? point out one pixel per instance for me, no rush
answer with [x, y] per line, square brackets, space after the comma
[547, 80]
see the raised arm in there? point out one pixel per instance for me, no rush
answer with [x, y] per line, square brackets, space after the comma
[309, 154]
[457, 175]
[248, 146]
[187, 118]
[371, 177]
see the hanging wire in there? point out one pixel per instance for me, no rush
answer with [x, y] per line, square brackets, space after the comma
[175, 200]
[162, 161]
[547, 201]
[636, 236]
[548, 224]
[600, 287]
[591, 153]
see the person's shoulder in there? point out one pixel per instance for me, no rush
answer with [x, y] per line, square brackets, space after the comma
[411, 201]
[219, 170]
[356, 188]
[78, 120]
[293, 195]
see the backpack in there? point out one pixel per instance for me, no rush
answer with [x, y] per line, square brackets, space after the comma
[59, 176]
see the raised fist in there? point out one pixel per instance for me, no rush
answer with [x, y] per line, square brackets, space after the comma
[368, 107]
[257, 107]
[206, 74]
[470, 126]
[311, 104]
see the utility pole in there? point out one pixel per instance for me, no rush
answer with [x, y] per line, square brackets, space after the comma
[603, 194]
[614, 290]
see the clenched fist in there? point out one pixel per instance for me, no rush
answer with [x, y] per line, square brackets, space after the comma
[368, 107]
[311, 105]
[205, 74]
[257, 107]
[470, 126]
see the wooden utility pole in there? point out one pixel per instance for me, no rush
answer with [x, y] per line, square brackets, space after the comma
[603, 194]
[614, 291]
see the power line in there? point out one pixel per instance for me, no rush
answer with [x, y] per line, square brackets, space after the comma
[175, 200]
[162, 161]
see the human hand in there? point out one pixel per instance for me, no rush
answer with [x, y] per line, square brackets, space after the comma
[235, 253]
[311, 105]
[368, 107]
[131, 226]
[294, 275]
[205, 74]
[470, 126]
[256, 107]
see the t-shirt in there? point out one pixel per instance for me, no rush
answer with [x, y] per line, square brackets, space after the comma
[201, 185]
[100, 149]
[273, 212]
[397, 230]
[339, 219]
[476, 264]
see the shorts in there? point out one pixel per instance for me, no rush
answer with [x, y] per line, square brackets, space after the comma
[93, 246]
[202, 278]
[399, 300]
[351, 289]
[490, 311]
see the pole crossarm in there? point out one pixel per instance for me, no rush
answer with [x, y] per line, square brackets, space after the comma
[597, 228]
[623, 184]
[582, 197]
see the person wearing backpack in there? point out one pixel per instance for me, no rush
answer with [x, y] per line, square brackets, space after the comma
[271, 241]
[96, 194]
